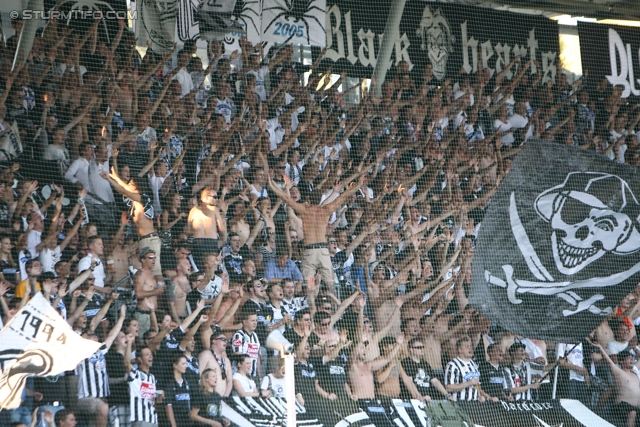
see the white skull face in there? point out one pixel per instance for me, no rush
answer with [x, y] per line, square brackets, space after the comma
[584, 230]
[436, 40]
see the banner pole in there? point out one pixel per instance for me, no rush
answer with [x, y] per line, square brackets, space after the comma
[555, 383]
[290, 392]
[391, 29]
[27, 35]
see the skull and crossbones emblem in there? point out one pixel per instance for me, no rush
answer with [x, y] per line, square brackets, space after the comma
[591, 214]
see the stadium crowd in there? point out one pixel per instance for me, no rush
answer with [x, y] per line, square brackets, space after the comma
[179, 215]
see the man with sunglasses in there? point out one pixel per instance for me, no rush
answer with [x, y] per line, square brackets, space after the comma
[207, 225]
[215, 359]
[425, 385]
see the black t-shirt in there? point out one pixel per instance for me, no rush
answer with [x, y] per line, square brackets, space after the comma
[305, 376]
[493, 379]
[169, 347]
[8, 271]
[337, 262]
[265, 316]
[193, 370]
[208, 405]
[4, 214]
[193, 297]
[116, 370]
[333, 375]
[292, 336]
[421, 375]
[233, 263]
[178, 396]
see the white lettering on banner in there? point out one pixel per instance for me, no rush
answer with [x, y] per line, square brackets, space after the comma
[503, 52]
[507, 406]
[623, 76]
[532, 43]
[487, 52]
[469, 44]
[367, 50]
[549, 66]
[503, 55]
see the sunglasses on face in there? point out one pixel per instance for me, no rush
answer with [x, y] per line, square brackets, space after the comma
[418, 347]
[223, 339]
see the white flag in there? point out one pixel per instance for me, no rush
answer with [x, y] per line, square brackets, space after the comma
[11, 147]
[157, 23]
[37, 342]
[297, 22]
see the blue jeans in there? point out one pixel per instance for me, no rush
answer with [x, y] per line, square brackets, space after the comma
[21, 414]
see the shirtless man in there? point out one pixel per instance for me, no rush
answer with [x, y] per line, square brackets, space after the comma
[118, 258]
[215, 359]
[627, 385]
[360, 371]
[142, 209]
[181, 287]
[147, 289]
[388, 378]
[206, 223]
[315, 219]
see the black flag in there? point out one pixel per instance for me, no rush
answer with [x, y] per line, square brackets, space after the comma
[560, 244]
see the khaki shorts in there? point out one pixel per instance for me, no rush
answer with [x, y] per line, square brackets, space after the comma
[90, 405]
[155, 244]
[318, 260]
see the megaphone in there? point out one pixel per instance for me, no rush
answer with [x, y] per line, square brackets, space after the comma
[277, 341]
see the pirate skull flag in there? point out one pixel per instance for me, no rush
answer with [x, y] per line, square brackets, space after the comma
[560, 244]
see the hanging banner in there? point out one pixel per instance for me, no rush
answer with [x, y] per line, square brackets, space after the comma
[453, 38]
[296, 22]
[395, 412]
[560, 243]
[37, 342]
[612, 53]
[157, 23]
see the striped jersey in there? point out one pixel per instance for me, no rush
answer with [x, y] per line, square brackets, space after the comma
[142, 395]
[93, 380]
[519, 376]
[459, 371]
[244, 343]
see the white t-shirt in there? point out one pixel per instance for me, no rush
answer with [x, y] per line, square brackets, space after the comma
[49, 258]
[615, 347]
[576, 357]
[98, 273]
[99, 186]
[186, 83]
[59, 154]
[247, 385]
[260, 75]
[33, 240]
[276, 385]
[500, 126]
